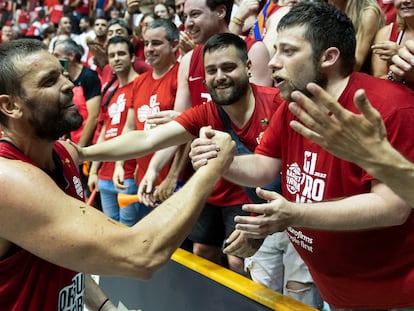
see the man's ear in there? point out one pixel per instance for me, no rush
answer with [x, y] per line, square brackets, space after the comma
[221, 11]
[175, 45]
[330, 57]
[9, 107]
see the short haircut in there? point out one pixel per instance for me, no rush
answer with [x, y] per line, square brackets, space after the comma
[225, 40]
[171, 31]
[122, 23]
[11, 53]
[213, 4]
[121, 39]
[70, 46]
[326, 27]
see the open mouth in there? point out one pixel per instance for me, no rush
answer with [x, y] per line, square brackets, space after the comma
[278, 81]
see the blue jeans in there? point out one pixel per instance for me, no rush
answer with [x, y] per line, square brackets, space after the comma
[129, 215]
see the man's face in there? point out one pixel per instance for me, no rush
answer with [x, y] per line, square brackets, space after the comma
[200, 22]
[227, 77]
[119, 59]
[84, 25]
[293, 65]
[159, 52]
[100, 27]
[64, 25]
[179, 9]
[7, 34]
[59, 51]
[117, 30]
[47, 97]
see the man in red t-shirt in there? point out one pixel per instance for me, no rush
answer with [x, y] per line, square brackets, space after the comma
[154, 90]
[120, 103]
[354, 233]
[248, 107]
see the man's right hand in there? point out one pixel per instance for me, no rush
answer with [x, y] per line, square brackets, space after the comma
[224, 149]
[203, 148]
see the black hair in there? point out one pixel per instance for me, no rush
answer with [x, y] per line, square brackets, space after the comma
[224, 40]
[121, 39]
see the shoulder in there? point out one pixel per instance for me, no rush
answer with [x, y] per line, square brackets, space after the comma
[69, 149]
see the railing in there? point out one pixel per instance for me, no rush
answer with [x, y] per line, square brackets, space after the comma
[191, 283]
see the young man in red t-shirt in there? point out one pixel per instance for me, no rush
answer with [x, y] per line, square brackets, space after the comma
[354, 233]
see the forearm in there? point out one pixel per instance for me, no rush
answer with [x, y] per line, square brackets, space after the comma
[392, 168]
[95, 298]
[88, 132]
[169, 224]
[357, 212]
[161, 158]
[179, 162]
[252, 170]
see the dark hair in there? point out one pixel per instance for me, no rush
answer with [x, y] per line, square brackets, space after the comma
[224, 40]
[100, 17]
[88, 19]
[213, 4]
[171, 31]
[121, 22]
[10, 76]
[326, 27]
[121, 39]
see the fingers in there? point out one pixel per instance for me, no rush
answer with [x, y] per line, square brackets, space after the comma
[323, 97]
[305, 132]
[202, 149]
[402, 62]
[207, 132]
[362, 103]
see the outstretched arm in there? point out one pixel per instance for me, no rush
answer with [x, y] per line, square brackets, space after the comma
[67, 232]
[379, 208]
[358, 138]
[136, 143]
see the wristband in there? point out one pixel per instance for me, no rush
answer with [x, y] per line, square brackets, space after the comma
[103, 303]
[237, 21]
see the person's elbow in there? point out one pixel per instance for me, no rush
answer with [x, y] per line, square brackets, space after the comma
[401, 216]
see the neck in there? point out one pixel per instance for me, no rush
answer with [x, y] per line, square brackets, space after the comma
[124, 79]
[241, 111]
[38, 150]
[336, 86]
[74, 70]
[158, 73]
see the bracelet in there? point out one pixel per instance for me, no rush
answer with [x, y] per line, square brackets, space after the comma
[92, 173]
[103, 303]
[237, 21]
[391, 77]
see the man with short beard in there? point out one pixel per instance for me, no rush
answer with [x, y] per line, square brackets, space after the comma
[353, 232]
[49, 238]
[248, 106]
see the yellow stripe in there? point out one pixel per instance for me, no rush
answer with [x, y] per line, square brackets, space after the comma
[238, 283]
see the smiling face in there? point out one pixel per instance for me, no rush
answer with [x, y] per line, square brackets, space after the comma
[200, 22]
[405, 8]
[226, 74]
[46, 96]
[293, 64]
[159, 52]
